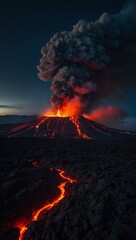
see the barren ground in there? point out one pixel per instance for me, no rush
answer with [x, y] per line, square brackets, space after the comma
[100, 206]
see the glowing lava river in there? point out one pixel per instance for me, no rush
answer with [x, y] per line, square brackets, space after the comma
[36, 214]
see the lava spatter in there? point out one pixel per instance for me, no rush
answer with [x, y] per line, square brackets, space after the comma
[36, 214]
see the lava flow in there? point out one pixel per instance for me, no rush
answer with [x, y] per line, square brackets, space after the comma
[66, 123]
[36, 214]
[75, 120]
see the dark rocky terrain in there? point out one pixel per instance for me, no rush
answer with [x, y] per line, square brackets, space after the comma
[100, 206]
[64, 127]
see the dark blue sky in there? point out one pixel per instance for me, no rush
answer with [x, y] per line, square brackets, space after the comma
[25, 26]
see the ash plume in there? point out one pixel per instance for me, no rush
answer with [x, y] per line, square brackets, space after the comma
[110, 116]
[93, 60]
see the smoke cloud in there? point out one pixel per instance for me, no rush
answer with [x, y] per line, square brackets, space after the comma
[110, 116]
[92, 61]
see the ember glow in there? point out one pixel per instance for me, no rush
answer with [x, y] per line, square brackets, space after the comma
[78, 127]
[110, 115]
[76, 122]
[22, 231]
[71, 107]
[37, 213]
[35, 163]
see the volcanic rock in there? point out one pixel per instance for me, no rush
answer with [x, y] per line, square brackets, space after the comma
[66, 127]
[101, 205]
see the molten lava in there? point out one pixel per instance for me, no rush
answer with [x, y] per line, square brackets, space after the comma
[70, 108]
[50, 113]
[36, 214]
[23, 229]
[61, 187]
[74, 126]
[75, 120]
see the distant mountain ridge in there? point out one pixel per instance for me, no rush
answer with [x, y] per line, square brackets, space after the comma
[11, 119]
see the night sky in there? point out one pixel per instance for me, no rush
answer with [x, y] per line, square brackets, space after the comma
[25, 27]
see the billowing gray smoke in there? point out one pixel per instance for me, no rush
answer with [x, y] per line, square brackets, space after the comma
[93, 60]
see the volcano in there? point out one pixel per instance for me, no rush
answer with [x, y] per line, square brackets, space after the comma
[77, 127]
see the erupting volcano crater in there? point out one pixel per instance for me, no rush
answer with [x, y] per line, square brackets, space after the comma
[78, 127]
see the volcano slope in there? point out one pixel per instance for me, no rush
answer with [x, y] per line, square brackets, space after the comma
[101, 205]
[65, 127]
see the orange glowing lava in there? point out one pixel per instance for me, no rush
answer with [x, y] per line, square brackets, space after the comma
[61, 187]
[35, 216]
[80, 134]
[50, 113]
[22, 231]
[62, 174]
[71, 107]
